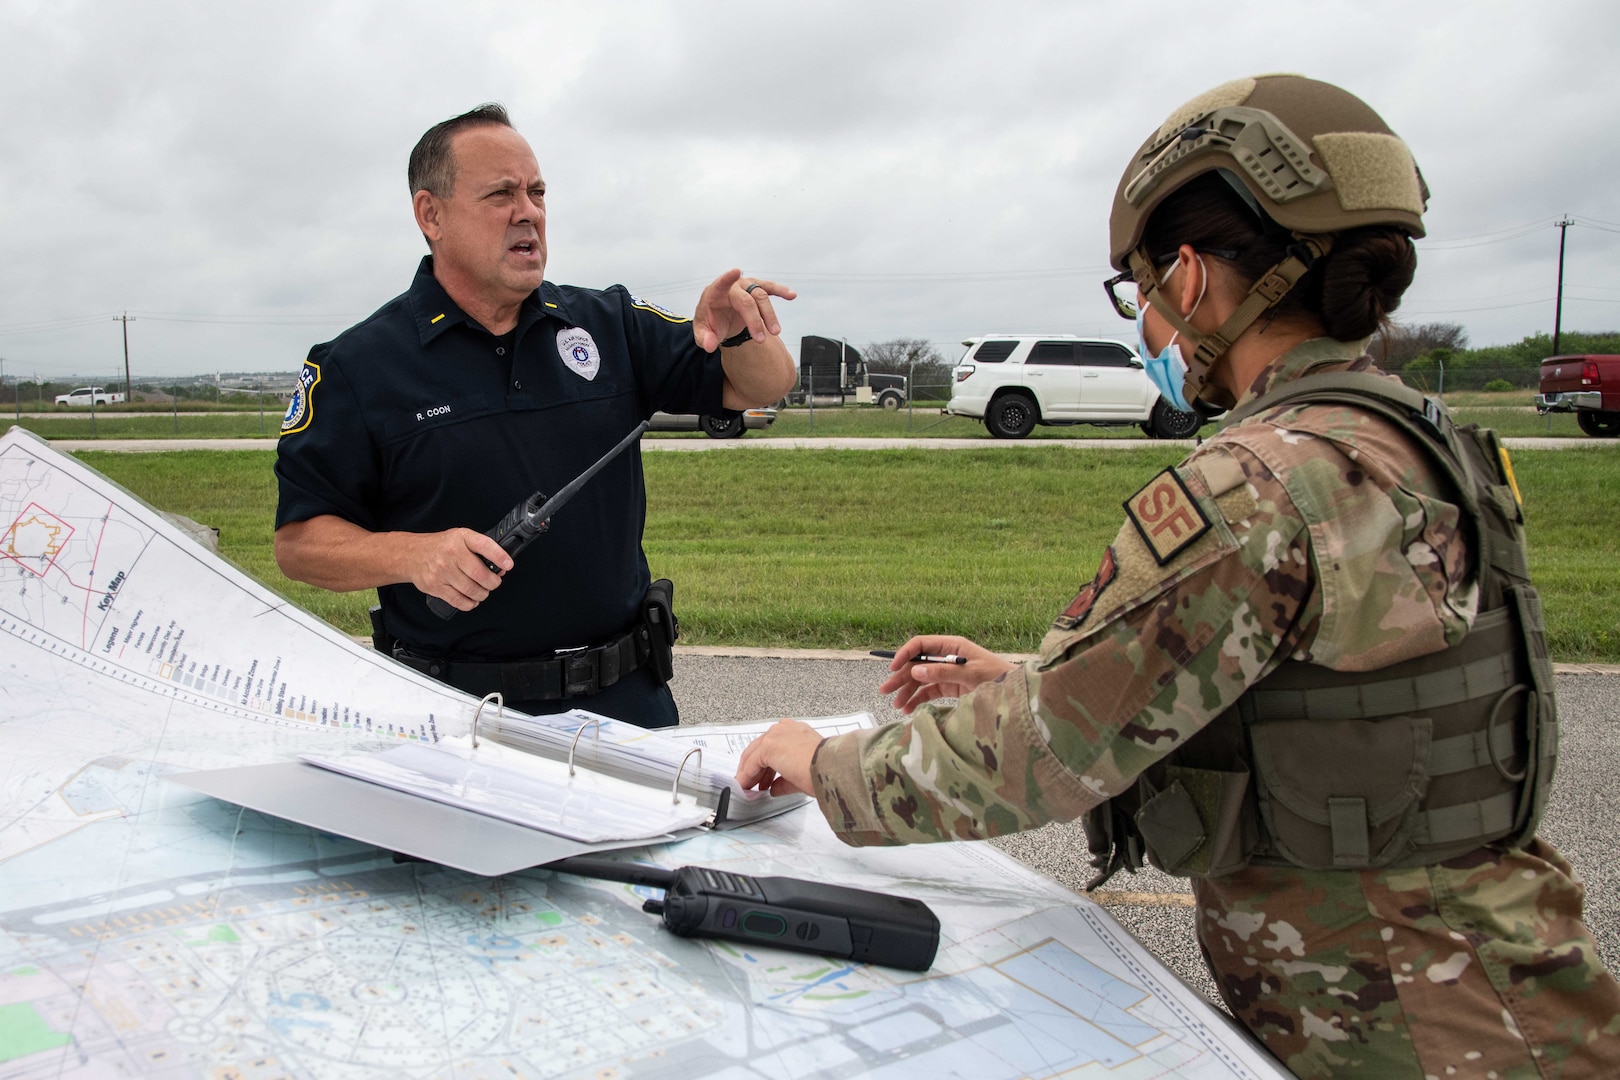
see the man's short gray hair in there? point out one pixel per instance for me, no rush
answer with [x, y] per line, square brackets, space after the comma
[433, 166]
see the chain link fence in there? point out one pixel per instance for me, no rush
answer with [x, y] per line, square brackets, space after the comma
[152, 407]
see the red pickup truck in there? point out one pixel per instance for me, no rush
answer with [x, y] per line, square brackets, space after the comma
[1588, 386]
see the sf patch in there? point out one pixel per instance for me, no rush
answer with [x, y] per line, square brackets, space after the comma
[578, 351]
[1168, 517]
[1086, 598]
[301, 409]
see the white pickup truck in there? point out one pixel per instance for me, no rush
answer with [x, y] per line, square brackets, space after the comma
[89, 395]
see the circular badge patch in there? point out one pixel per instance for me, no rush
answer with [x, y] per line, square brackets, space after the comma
[301, 409]
[579, 353]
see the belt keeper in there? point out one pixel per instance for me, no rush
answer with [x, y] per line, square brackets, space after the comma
[580, 674]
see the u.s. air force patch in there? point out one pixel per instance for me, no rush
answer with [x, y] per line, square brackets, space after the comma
[664, 313]
[1167, 516]
[578, 351]
[301, 409]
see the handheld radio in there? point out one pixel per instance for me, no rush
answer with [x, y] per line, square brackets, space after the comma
[531, 517]
[782, 912]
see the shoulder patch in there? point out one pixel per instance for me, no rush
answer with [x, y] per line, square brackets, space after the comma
[1167, 516]
[663, 313]
[1086, 599]
[301, 409]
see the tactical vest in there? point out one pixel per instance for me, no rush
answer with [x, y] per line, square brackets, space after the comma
[1408, 765]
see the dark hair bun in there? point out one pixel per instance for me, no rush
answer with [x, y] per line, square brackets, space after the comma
[1363, 278]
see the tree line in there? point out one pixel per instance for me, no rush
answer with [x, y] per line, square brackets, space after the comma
[1436, 356]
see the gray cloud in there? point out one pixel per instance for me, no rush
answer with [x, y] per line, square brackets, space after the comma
[931, 170]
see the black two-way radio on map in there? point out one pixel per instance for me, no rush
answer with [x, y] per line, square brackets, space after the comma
[529, 518]
[782, 912]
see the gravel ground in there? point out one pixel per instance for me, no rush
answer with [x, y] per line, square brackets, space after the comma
[1582, 820]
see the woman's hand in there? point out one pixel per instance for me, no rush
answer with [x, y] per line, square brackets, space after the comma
[779, 760]
[913, 683]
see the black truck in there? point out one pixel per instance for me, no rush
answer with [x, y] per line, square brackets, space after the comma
[832, 372]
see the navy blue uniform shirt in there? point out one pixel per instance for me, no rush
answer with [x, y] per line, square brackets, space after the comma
[420, 420]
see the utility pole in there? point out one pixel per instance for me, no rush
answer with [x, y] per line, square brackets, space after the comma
[1558, 309]
[129, 395]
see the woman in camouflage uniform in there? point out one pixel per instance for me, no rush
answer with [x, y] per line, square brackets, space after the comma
[1309, 672]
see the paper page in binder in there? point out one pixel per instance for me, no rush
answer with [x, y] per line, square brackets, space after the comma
[722, 746]
[526, 790]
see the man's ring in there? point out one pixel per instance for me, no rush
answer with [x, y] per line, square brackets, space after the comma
[755, 285]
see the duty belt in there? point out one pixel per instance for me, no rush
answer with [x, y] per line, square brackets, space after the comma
[569, 673]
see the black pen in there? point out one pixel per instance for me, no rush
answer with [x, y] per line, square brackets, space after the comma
[924, 658]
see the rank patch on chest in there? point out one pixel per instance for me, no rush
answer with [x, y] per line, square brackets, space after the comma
[579, 353]
[1168, 517]
[1086, 599]
[301, 409]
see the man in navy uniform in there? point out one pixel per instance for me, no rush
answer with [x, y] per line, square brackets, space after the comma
[420, 427]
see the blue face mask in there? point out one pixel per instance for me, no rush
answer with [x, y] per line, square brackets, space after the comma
[1168, 370]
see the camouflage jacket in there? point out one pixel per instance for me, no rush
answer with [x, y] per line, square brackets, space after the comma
[1311, 532]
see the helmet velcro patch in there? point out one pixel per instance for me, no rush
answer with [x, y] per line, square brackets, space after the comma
[1235, 92]
[1371, 171]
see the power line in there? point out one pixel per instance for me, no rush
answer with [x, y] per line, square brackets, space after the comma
[68, 323]
[73, 322]
[289, 319]
[1463, 310]
[898, 277]
[1463, 243]
[1529, 226]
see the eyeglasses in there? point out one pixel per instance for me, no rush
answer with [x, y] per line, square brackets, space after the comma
[1125, 303]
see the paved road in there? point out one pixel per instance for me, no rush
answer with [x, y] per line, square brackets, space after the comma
[1583, 816]
[793, 443]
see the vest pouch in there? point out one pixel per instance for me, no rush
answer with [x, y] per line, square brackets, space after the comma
[1201, 823]
[1110, 840]
[1341, 794]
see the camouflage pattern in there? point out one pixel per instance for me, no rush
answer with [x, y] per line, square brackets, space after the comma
[1479, 967]
[1329, 541]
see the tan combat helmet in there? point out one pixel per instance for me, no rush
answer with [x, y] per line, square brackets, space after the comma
[1307, 155]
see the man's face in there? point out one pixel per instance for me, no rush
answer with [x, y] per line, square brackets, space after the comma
[491, 231]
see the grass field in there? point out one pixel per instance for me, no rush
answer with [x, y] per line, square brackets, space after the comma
[860, 549]
[1506, 413]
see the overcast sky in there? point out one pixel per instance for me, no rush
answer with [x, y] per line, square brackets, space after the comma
[233, 174]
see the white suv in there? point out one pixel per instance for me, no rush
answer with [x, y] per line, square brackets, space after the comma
[1014, 381]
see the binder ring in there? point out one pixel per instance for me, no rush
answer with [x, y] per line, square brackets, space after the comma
[500, 711]
[675, 788]
[597, 735]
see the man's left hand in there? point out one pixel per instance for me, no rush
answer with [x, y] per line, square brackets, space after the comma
[779, 760]
[729, 306]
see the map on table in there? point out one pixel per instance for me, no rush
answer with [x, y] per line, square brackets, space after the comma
[146, 929]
